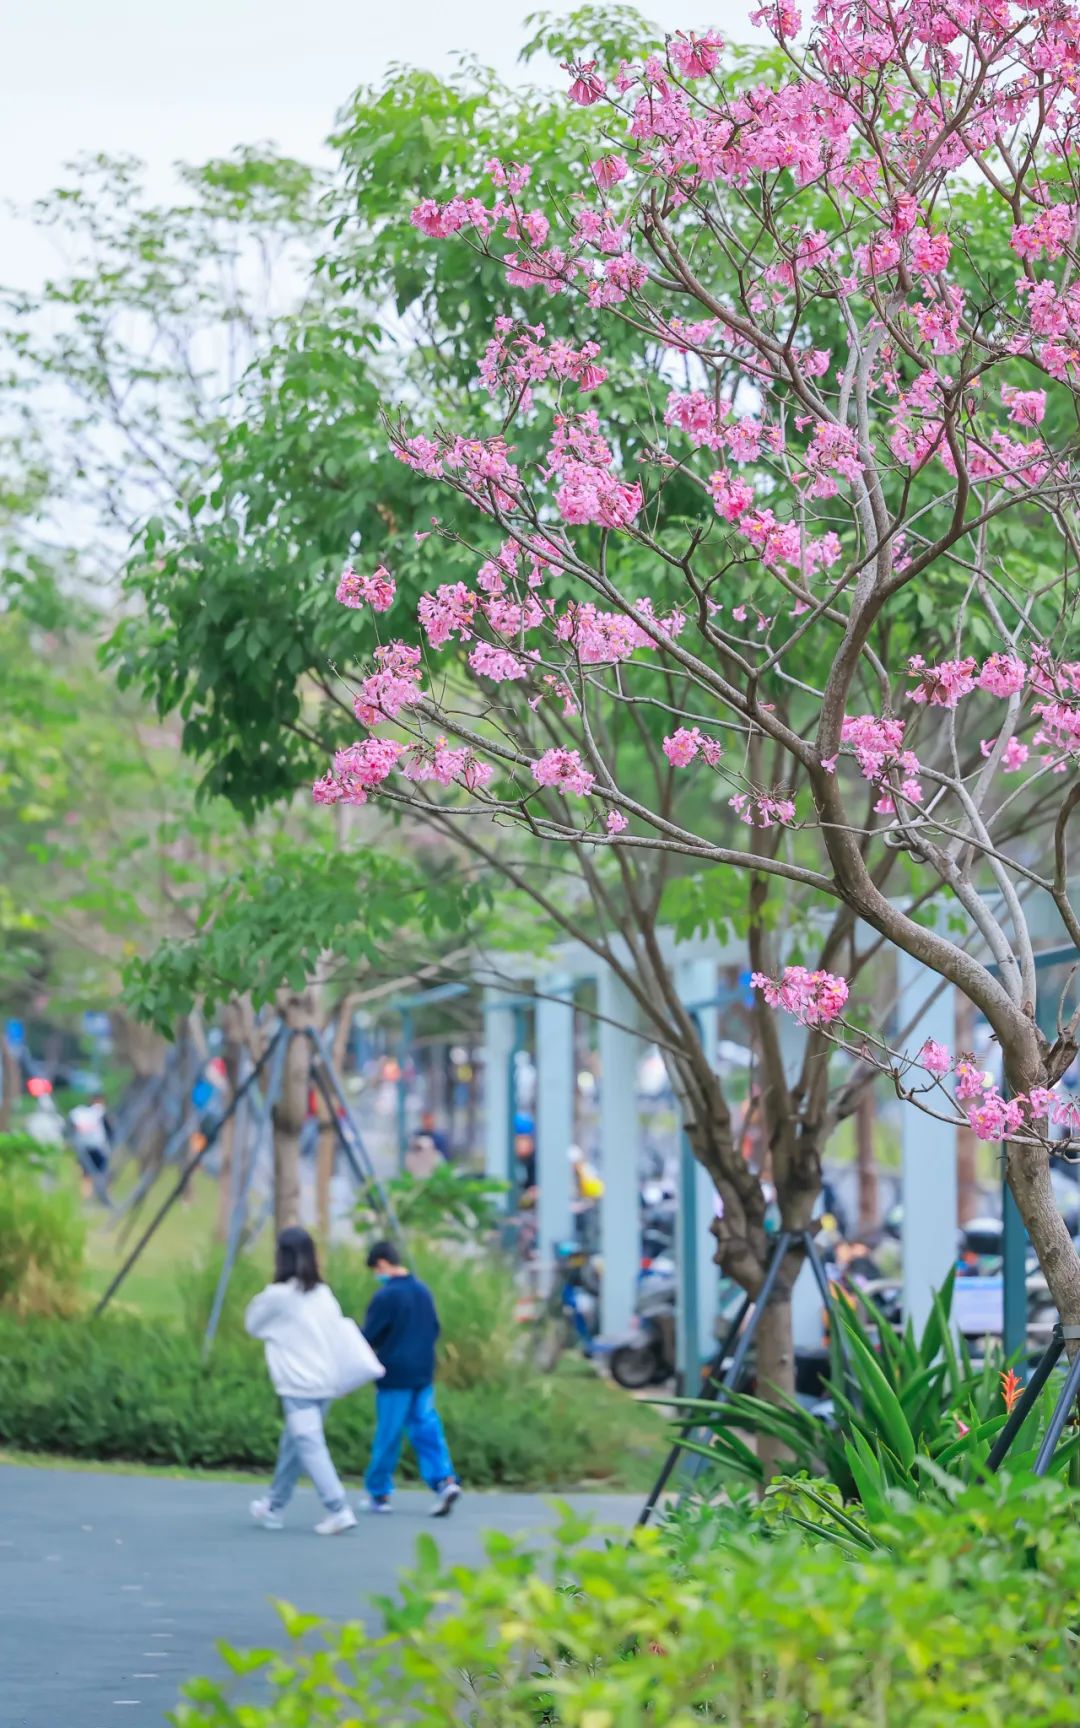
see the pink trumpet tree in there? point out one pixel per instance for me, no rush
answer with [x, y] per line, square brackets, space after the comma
[831, 571]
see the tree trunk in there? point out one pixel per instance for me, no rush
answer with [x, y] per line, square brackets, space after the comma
[775, 1373]
[290, 1111]
[11, 1081]
[324, 1175]
[865, 1161]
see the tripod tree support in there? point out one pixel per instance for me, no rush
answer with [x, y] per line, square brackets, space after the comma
[723, 1382]
[1048, 1361]
[329, 1084]
[240, 1202]
[186, 1174]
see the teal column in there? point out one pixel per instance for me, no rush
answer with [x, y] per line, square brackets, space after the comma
[499, 1040]
[555, 1087]
[620, 1221]
[696, 981]
[928, 1148]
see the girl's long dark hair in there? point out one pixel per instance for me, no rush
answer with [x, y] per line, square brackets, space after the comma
[296, 1258]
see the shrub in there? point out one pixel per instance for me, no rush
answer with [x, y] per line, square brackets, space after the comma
[121, 1388]
[42, 1236]
[969, 1616]
[904, 1408]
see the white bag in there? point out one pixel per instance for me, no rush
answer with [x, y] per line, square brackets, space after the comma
[355, 1362]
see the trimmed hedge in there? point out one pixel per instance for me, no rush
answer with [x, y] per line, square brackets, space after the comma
[119, 1388]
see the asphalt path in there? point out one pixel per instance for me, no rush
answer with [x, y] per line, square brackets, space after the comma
[115, 1589]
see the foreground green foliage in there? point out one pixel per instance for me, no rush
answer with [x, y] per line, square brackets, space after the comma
[125, 1388]
[969, 1614]
[905, 1409]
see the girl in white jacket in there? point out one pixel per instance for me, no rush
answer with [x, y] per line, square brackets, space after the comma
[296, 1316]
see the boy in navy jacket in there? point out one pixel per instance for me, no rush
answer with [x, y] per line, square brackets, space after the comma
[402, 1326]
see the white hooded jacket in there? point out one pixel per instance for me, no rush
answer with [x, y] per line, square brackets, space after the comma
[299, 1329]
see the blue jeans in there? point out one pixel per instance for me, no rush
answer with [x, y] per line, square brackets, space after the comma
[414, 1413]
[303, 1447]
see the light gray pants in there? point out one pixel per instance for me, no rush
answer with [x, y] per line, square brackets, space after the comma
[303, 1447]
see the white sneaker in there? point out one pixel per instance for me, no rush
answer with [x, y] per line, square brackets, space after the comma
[336, 1522]
[381, 1505]
[448, 1494]
[264, 1514]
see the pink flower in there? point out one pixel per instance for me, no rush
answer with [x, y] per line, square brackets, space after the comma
[565, 770]
[682, 746]
[497, 664]
[929, 252]
[1003, 675]
[934, 1058]
[1013, 757]
[972, 1082]
[696, 56]
[731, 494]
[587, 86]
[762, 810]
[609, 170]
[941, 686]
[357, 770]
[378, 589]
[1026, 407]
[814, 998]
[616, 822]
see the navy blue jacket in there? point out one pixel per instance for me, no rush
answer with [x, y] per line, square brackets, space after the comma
[401, 1326]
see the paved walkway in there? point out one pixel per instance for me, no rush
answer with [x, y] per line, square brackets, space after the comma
[113, 1589]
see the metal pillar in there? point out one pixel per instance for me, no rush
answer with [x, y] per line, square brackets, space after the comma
[697, 986]
[928, 1178]
[498, 1086]
[554, 1112]
[620, 1222]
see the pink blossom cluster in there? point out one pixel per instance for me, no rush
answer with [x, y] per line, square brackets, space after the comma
[564, 770]
[396, 684]
[1026, 407]
[684, 744]
[991, 1115]
[1049, 232]
[762, 809]
[498, 664]
[696, 56]
[519, 356]
[357, 771]
[731, 494]
[943, 685]
[813, 998]
[601, 638]
[833, 452]
[588, 490]
[377, 590]
[1013, 757]
[447, 764]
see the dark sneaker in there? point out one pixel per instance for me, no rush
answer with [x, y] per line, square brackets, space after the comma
[445, 1498]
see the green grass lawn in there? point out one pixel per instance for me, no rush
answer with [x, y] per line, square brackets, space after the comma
[181, 1243]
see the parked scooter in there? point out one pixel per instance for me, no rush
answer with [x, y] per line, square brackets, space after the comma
[646, 1355]
[570, 1314]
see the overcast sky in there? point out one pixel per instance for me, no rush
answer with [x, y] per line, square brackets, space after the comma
[171, 81]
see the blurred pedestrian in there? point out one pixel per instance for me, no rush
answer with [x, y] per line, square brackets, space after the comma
[299, 1320]
[92, 1135]
[402, 1327]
